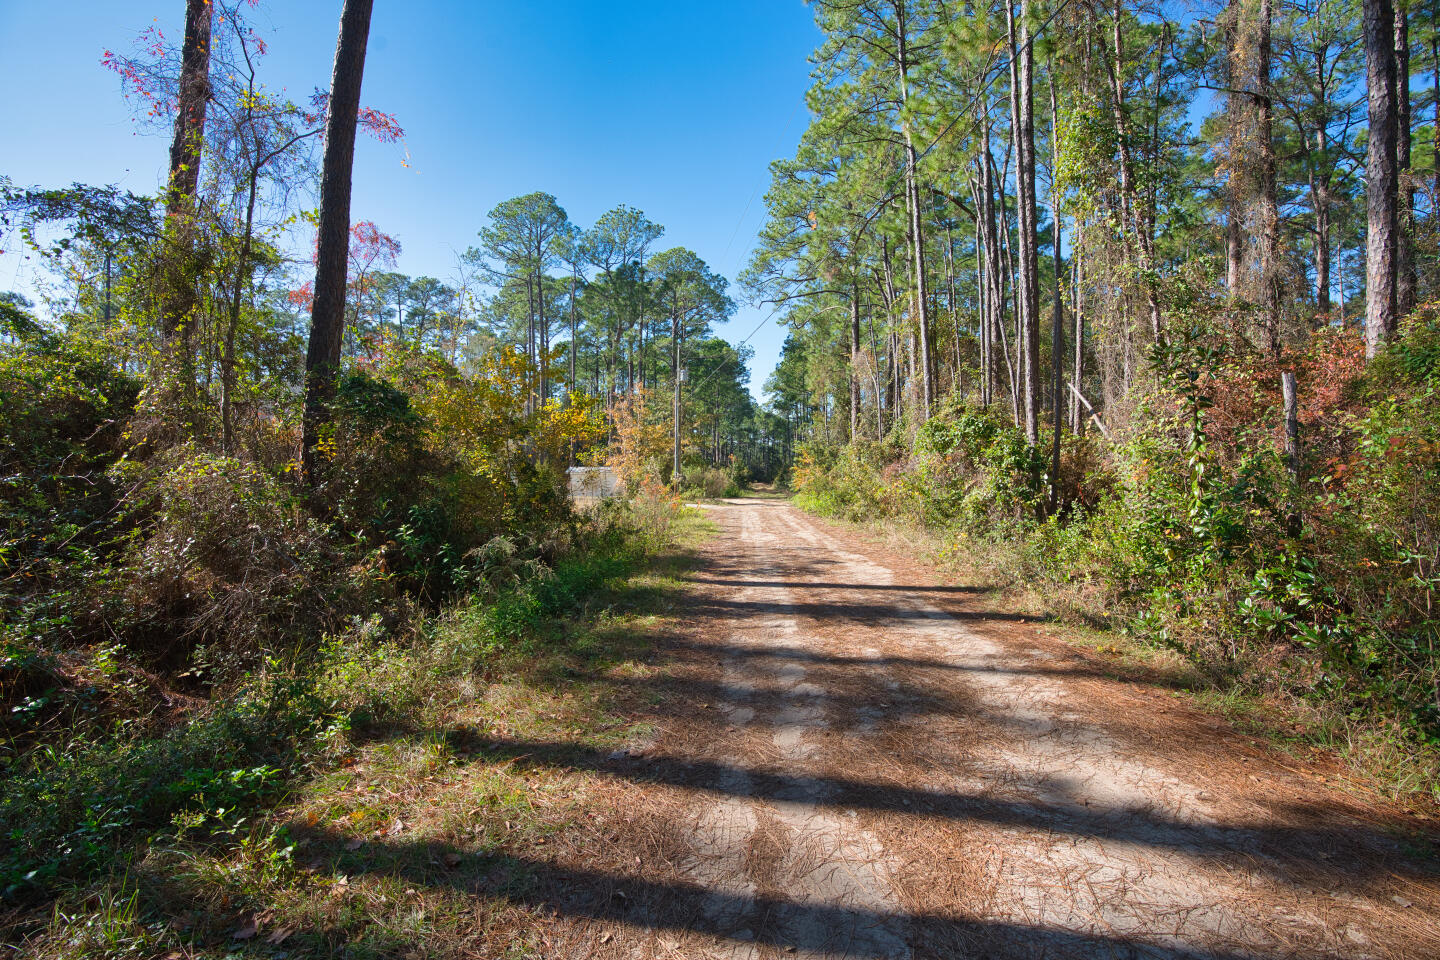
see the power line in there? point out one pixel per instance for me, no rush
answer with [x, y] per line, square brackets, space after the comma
[716, 372]
[756, 192]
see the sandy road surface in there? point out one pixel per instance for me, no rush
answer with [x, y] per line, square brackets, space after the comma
[858, 761]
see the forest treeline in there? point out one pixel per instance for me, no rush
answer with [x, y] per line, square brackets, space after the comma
[1132, 303]
[249, 472]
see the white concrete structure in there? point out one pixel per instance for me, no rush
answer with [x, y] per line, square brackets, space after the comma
[591, 484]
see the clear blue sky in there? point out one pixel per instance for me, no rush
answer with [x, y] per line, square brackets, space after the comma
[673, 107]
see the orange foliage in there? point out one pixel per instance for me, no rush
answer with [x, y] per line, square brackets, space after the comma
[639, 444]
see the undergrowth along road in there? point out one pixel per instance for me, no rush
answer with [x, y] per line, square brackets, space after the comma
[784, 741]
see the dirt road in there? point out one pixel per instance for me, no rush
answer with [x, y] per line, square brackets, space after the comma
[854, 760]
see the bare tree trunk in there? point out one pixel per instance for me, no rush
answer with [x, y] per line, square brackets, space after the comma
[574, 279]
[895, 386]
[185, 153]
[981, 294]
[1292, 424]
[1381, 175]
[1340, 280]
[994, 291]
[1077, 418]
[875, 368]
[1234, 122]
[1008, 270]
[327, 312]
[542, 329]
[1030, 227]
[675, 333]
[1027, 284]
[1320, 201]
[956, 380]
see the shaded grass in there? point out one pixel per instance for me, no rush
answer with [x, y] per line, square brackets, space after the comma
[386, 759]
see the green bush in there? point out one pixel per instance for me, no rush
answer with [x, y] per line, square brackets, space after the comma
[1191, 532]
[711, 482]
[510, 623]
[65, 409]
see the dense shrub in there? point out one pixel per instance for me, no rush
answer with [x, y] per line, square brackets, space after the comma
[1191, 530]
[711, 482]
[141, 578]
[225, 561]
[67, 813]
[65, 407]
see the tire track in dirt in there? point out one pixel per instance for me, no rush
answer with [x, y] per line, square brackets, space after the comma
[903, 774]
[741, 845]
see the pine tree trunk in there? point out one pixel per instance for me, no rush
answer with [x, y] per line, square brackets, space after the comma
[1320, 201]
[1269, 204]
[327, 312]
[574, 278]
[1027, 293]
[675, 333]
[854, 360]
[1057, 330]
[1008, 257]
[982, 302]
[542, 328]
[1405, 278]
[917, 232]
[1234, 123]
[1077, 416]
[1381, 176]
